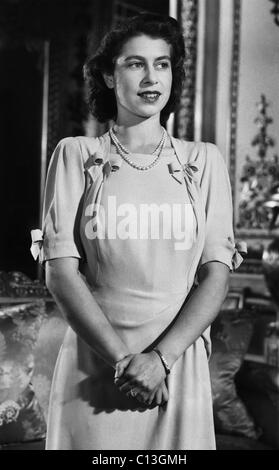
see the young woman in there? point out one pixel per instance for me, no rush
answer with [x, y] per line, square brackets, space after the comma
[134, 222]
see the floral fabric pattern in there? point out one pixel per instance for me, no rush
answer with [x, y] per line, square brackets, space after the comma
[21, 417]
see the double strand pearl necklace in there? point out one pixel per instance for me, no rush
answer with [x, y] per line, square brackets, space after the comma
[124, 153]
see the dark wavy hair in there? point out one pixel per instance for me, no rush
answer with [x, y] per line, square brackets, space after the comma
[100, 98]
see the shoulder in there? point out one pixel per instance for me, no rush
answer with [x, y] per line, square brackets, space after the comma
[202, 153]
[77, 148]
[212, 158]
[67, 146]
[212, 165]
[79, 142]
[212, 152]
[205, 154]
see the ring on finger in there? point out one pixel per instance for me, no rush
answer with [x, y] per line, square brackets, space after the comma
[133, 393]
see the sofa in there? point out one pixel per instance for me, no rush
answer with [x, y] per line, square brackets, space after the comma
[245, 393]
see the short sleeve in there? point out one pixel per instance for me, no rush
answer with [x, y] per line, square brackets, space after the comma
[216, 190]
[63, 194]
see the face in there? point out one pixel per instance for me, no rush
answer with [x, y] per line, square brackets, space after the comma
[142, 78]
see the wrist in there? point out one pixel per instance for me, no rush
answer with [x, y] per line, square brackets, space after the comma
[163, 360]
[169, 357]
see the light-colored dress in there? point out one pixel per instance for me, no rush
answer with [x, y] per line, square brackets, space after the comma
[141, 278]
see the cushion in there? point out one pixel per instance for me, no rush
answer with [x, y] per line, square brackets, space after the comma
[21, 417]
[230, 334]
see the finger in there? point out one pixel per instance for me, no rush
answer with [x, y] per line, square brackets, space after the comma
[158, 397]
[151, 398]
[127, 387]
[121, 366]
[121, 381]
[165, 394]
[125, 378]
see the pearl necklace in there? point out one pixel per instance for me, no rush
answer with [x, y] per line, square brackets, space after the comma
[123, 152]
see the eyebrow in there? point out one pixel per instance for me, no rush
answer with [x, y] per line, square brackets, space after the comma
[143, 58]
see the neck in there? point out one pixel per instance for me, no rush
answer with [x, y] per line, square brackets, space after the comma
[141, 137]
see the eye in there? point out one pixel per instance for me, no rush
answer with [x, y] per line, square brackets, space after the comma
[163, 65]
[135, 65]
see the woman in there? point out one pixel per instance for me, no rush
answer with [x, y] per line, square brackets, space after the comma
[133, 221]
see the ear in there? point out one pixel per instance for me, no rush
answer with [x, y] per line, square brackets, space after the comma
[108, 80]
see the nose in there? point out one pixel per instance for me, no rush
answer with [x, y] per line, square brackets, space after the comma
[150, 76]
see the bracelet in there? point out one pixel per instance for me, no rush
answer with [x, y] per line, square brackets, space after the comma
[164, 362]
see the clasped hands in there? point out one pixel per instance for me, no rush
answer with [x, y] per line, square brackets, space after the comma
[142, 376]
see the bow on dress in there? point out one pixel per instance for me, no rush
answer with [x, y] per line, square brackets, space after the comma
[182, 170]
[97, 164]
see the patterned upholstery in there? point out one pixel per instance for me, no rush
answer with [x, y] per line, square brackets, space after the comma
[21, 417]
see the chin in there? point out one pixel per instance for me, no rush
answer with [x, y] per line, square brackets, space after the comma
[149, 113]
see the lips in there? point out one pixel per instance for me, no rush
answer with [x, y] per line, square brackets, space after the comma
[149, 97]
[150, 94]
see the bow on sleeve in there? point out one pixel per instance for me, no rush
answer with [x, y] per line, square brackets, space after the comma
[37, 242]
[240, 252]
